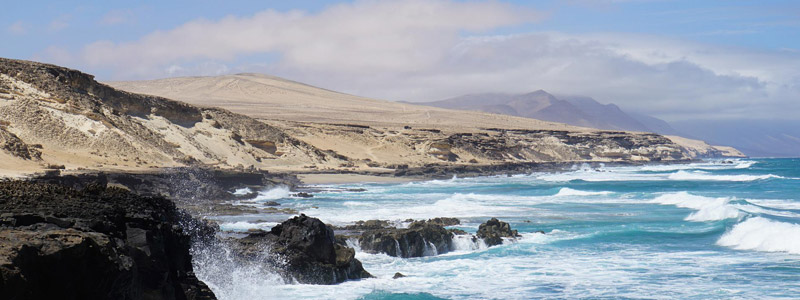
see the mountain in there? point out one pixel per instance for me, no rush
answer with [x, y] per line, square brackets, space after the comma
[54, 117]
[656, 125]
[573, 110]
[606, 116]
[758, 138]
[536, 105]
[273, 98]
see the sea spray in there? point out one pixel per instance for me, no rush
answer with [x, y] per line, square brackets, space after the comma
[232, 278]
[275, 193]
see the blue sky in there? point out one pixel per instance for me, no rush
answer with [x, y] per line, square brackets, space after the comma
[674, 59]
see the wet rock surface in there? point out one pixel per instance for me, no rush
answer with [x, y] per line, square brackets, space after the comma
[493, 231]
[96, 243]
[421, 238]
[305, 250]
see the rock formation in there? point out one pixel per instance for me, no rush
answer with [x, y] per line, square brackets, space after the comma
[304, 250]
[493, 231]
[97, 243]
[421, 238]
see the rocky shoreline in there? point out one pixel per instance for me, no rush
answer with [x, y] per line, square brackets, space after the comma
[57, 242]
[91, 236]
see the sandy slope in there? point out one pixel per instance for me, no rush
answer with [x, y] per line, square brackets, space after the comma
[269, 97]
[51, 115]
[272, 98]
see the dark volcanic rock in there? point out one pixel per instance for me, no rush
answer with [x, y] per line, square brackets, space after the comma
[493, 231]
[421, 238]
[367, 225]
[96, 243]
[303, 195]
[308, 249]
[445, 221]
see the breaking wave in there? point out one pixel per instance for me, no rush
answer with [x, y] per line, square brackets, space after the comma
[571, 192]
[276, 193]
[762, 234]
[707, 208]
[699, 175]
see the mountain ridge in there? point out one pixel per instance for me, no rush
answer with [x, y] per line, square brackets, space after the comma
[574, 110]
[59, 117]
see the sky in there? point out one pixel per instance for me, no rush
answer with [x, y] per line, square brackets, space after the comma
[677, 60]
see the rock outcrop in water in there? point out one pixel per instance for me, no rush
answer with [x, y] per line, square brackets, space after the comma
[493, 231]
[424, 238]
[97, 243]
[421, 238]
[304, 250]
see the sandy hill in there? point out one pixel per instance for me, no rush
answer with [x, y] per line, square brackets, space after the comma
[273, 98]
[51, 115]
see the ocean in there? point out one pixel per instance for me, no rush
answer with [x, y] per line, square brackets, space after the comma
[720, 229]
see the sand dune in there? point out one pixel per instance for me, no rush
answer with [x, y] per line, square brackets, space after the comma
[273, 98]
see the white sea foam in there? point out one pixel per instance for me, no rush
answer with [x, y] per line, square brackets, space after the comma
[615, 175]
[758, 210]
[779, 204]
[571, 192]
[242, 191]
[762, 234]
[465, 242]
[231, 278]
[276, 193]
[245, 226]
[457, 205]
[700, 175]
[714, 165]
[707, 208]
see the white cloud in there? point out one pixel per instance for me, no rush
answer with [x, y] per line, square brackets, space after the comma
[366, 37]
[18, 28]
[654, 79]
[428, 50]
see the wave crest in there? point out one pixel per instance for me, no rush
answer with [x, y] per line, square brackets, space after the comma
[698, 175]
[707, 208]
[276, 193]
[762, 234]
[572, 192]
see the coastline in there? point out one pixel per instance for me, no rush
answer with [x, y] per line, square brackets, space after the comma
[339, 178]
[184, 183]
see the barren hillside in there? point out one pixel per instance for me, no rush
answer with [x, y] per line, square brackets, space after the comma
[311, 111]
[53, 116]
[273, 98]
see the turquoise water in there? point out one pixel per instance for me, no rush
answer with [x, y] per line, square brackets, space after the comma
[709, 230]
